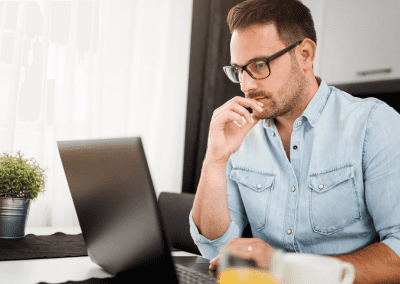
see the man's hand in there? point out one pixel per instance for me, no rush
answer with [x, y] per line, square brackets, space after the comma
[259, 251]
[225, 136]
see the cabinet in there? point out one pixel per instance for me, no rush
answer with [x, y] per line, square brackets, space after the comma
[360, 41]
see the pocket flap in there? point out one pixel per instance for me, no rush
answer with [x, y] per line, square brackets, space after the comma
[257, 181]
[324, 181]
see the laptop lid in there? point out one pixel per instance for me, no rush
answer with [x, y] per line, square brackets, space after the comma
[116, 205]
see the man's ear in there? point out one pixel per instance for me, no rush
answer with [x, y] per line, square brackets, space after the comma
[306, 54]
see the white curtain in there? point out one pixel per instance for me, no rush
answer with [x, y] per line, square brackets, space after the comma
[93, 69]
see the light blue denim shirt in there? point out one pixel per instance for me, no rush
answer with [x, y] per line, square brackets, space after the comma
[342, 183]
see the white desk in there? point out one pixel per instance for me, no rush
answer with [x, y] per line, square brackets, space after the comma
[54, 270]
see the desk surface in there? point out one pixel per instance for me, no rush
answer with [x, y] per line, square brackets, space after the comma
[55, 270]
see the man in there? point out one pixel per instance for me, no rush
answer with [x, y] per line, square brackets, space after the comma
[312, 169]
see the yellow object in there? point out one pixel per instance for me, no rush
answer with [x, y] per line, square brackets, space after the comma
[246, 275]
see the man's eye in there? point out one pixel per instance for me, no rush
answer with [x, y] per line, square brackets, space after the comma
[260, 64]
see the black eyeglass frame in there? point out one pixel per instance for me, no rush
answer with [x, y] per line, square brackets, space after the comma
[266, 60]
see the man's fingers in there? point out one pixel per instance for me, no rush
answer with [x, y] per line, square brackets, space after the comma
[241, 250]
[234, 107]
[251, 248]
[214, 263]
[239, 105]
[246, 102]
[253, 121]
[232, 116]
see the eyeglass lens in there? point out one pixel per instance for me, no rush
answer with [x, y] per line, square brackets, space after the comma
[259, 69]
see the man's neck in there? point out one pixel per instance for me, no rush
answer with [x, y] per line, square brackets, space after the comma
[285, 123]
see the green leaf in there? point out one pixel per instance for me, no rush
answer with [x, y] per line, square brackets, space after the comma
[20, 176]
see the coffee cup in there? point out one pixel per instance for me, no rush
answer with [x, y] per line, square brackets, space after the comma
[296, 268]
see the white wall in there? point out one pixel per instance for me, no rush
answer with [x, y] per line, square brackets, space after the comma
[317, 12]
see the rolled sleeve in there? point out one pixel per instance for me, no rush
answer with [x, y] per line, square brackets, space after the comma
[393, 241]
[209, 248]
[381, 163]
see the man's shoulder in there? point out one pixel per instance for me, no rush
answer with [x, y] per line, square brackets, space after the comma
[342, 101]
[357, 109]
[345, 96]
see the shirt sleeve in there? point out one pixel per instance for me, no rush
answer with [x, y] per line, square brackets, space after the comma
[209, 248]
[381, 166]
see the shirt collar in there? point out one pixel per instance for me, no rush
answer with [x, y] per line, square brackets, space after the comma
[317, 103]
[313, 109]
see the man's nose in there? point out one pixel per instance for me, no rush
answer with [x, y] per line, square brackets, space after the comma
[248, 83]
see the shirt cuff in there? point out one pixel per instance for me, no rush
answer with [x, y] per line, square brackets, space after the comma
[393, 243]
[209, 248]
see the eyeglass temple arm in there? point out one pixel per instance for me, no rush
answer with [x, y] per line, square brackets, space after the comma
[284, 51]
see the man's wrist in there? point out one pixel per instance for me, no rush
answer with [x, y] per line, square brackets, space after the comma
[214, 161]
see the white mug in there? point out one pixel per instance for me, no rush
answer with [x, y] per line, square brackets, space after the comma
[294, 268]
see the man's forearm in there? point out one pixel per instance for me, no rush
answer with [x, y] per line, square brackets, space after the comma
[210, 208]
[376, 263]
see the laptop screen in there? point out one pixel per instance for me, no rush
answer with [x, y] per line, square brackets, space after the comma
[115, 202]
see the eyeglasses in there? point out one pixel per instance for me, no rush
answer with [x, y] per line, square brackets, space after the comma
[258, 69]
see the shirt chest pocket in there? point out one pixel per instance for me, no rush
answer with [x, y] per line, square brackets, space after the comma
[334, 202]
[255, 190]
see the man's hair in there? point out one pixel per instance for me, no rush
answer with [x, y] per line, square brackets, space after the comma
[292, 19]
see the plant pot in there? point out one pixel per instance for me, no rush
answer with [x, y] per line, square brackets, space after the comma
[13, 216]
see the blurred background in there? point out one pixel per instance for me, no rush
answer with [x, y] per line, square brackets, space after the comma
[89, 69]
[72, 70]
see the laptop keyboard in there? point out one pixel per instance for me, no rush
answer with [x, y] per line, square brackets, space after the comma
[187, 275]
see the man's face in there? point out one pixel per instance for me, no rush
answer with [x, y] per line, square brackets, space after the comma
[284, 91]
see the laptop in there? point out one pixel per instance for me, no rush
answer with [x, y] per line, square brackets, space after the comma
[117, 209]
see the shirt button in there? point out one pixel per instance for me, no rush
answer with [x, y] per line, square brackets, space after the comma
[258, 186]
[299, 123]
[321, 186]
[293, 189]
[289, 232]
[295, 147]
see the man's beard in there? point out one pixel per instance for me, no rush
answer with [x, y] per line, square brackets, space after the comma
[293, 93]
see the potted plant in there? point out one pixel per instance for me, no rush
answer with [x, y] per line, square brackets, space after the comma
[21, 180]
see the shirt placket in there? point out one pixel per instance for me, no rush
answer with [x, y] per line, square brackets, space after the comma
[291, 202]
